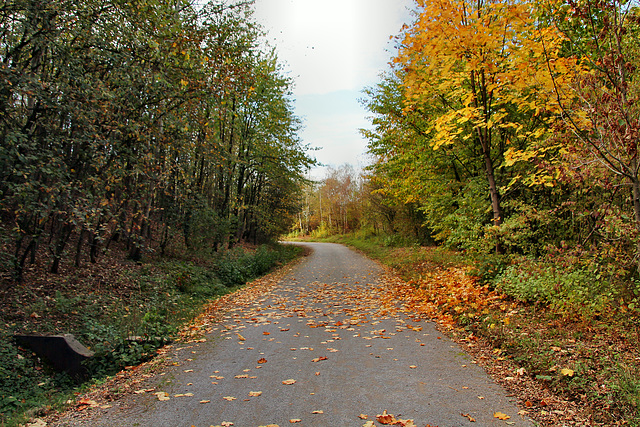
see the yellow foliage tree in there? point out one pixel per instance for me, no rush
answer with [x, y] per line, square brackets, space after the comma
[483, 64]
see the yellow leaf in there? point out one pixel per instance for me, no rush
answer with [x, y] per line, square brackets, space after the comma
[501, 416]
[567, 372]
[162, 396]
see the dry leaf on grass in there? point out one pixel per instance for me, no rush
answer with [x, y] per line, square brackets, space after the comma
[288, 382]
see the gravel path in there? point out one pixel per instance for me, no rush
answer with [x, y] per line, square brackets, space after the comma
[326, 346]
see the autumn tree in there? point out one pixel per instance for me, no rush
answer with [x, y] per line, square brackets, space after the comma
[137, 124]
[476, 72]
[600, 103]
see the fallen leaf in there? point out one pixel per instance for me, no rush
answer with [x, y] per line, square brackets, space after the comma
[295, 420]
[262, 360]
[318, 412]
[205, 401]
[469, 417]
[146, 390]
[288, 382]
[86, 402]
[412, 366]
[229, 398]
[369, 424]
[255, 393]
[241, 376]
[266, 333]
[318, 359]
[240, 337]
[386, 418]
[501, 416]
[162, 396]
[188, 370]
[183, 395]
[567, 372]
[363, 416]
[226, 424]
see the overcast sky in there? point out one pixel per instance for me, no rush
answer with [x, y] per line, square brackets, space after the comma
[333, 49]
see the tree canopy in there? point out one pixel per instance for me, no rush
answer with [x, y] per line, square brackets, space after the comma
[144, 122]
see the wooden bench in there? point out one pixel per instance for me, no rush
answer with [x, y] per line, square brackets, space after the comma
[63, 352]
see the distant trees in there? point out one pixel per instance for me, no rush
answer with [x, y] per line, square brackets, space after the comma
[334, 204]
[140, 122]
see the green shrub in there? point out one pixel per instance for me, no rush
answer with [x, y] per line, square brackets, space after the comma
[574, 288]
[486, 267]
[237, 267]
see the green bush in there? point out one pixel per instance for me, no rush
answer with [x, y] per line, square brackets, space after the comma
[574, 288]
[486, 267]
[237, 267]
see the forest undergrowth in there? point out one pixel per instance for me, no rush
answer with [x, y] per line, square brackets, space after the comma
[123, 311]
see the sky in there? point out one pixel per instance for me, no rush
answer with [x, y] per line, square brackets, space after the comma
[333, 49]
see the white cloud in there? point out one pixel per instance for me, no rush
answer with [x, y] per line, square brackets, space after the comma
[332, 45]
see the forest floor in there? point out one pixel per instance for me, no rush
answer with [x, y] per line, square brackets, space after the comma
[568, 369]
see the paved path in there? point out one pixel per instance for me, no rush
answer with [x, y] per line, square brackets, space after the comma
[330, 329]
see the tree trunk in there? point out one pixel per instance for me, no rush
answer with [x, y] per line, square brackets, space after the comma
[635, 187]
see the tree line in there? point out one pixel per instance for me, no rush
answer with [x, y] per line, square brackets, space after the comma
[149, 123]
[510, 130]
